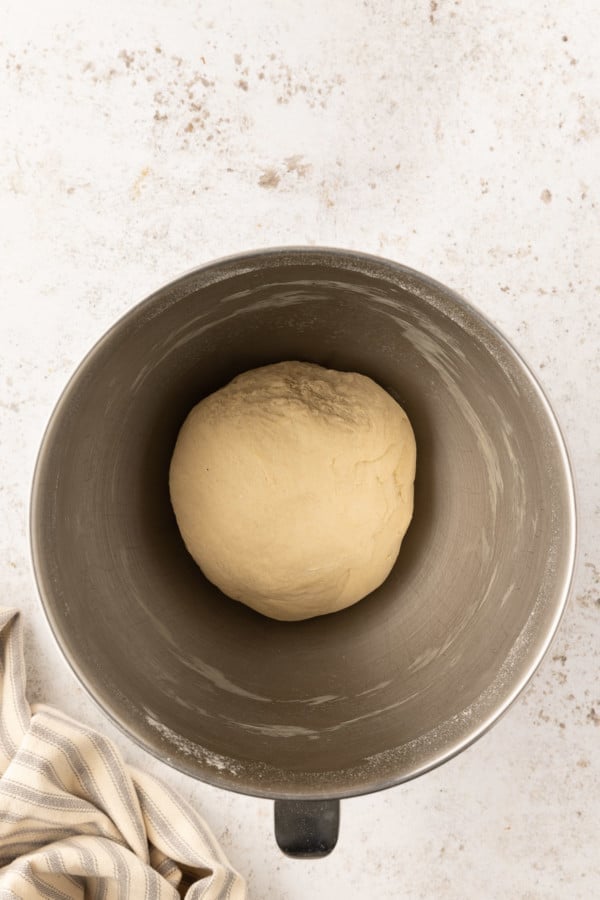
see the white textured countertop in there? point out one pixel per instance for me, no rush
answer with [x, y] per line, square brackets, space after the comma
[461, 138]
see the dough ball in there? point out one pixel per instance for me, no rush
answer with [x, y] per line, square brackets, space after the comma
[293, 487]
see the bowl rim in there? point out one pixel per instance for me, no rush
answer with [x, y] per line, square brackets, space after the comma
[201, 770]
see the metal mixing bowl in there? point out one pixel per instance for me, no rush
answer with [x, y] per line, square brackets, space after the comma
[342, 704]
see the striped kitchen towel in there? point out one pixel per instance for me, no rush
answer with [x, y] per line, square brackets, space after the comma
[76, 822]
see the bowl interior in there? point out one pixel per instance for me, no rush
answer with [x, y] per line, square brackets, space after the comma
[343, 703]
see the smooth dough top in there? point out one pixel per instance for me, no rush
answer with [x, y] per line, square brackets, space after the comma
[293, 487]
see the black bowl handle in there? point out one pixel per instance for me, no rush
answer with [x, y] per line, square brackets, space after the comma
[307, 829]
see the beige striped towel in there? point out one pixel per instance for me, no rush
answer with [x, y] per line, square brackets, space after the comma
[76, 823]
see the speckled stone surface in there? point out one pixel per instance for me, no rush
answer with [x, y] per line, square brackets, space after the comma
[460, 138]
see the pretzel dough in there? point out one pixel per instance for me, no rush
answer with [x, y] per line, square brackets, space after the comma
[293, 487]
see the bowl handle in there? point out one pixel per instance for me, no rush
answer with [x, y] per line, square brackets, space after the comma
[307, 829]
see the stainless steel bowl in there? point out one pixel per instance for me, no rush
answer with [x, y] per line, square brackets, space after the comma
[343, 704]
